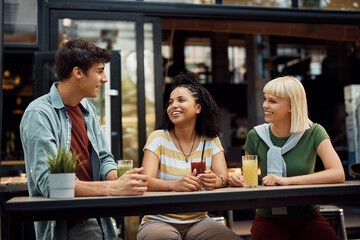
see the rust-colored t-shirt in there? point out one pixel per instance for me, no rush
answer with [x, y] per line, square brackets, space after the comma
[80, 143]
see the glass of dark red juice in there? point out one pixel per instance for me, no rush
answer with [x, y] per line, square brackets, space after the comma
[199, 165]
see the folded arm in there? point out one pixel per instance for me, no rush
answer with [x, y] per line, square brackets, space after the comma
[151, 166]
[130, 183]
[333, 173]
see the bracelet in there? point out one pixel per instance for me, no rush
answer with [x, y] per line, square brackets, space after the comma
[222, 181]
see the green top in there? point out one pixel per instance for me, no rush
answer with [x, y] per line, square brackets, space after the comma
[299, 161]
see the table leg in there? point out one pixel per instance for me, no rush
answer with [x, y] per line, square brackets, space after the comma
[230, 219]
[14, 227]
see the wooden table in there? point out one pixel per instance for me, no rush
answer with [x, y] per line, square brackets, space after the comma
[20, 209]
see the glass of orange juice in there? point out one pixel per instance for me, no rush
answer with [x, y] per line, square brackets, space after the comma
[250, 170]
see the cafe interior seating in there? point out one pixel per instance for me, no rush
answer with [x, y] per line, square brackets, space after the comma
[335, 215]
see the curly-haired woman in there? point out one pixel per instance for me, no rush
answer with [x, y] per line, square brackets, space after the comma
[190, 129]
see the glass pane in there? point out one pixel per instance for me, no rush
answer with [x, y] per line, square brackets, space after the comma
[298, 60]
[20, 21]
[260, 3]
[331, 4]
[167, 55]
[198, 58]
[323, 4]
[149, 78]
[184, 1]
[237, 64]
[113, 35]
[17, 94]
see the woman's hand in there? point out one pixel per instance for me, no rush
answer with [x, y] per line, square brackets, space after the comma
[208, 179]
[188, 183]
[236, 180]
[272, 180]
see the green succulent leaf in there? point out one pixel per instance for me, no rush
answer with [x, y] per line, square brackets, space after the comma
[62, 161]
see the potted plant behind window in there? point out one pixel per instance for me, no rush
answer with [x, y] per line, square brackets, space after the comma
[62, 166]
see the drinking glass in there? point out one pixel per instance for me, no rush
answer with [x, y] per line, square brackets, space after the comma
[250, 170]
[199, 165]
[123, 166]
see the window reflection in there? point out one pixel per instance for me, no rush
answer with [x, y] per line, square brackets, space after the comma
[322, 4]
[149, 78]
[260, 3]
[237, 64]
[20, 21]
[198, 58]
[113, 35]
[331, 4]
[17, 94]
[184, 1]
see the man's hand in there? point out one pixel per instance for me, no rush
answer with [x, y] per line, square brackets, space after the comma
[130, 183]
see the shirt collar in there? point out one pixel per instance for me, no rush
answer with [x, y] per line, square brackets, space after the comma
[57, 102]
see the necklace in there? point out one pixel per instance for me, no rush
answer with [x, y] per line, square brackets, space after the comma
[186, 156]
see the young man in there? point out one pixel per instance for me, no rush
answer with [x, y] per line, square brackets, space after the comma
[64, 117]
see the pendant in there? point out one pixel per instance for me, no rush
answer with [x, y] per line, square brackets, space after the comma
[186, 160]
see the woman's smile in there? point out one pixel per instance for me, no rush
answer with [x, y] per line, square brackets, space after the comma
[182, 106]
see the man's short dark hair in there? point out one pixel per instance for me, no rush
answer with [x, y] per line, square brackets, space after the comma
[79, 53]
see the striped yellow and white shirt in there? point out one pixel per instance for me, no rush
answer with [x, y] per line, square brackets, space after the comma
[173, 167]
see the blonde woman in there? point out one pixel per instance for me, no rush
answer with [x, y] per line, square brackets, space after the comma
[287, 146]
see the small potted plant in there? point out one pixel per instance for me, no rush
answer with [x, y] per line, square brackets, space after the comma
[62, 168]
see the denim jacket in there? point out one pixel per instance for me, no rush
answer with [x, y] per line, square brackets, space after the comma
[46, 125]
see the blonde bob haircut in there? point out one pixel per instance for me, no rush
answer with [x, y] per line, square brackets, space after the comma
[292, 90]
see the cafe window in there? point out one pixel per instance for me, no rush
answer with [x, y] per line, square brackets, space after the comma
[260, 3]
[20, 21]
[116, 35]
[184, 1]
[318, 4]
[237, 64]
[330, 4]
[197, 53]
[300, 60]
[17, 94]
[150, 117]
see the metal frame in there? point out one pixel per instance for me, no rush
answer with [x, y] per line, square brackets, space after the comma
[1, 69]
[214, 11]
[140, 86]
[158, 70]
[116, 129]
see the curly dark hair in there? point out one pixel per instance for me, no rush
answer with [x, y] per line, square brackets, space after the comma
[79, 53]
[208, 120]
